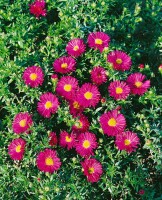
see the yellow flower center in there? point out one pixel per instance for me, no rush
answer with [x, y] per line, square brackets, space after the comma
[76, 105]
[18, 148]
[79, 124]
[33, 76]
[98, 41]
[127, 142]
[138, 84]
[119, 61]
[86, 144]
[49, 161]
[119, 90]
[64, 65]
[76, 48]
[67, 87]
[68, 139]
[22, 123]
[88, 95]
[112, 122]
[91, 170]
[48, 105]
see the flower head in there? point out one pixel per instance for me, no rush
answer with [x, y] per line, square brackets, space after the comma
[160, 68]
[75, 107]
[47, 105]
[127, 141]
[67, 87]
[87, 142]
[98, 40]
[92, 169]
[64, 65]
[16, 149]
[118, 90]
[141, 66]
[52, 139]
[81, 124]
[112, 123]
[37, 8]
[22, 123]
[98, 75]
[54, 78]
[88, 95]
[120, 60]
[33, 76]
[75, 47]
[47, 161]
[67, 140]
[137, 84]
[141, 192]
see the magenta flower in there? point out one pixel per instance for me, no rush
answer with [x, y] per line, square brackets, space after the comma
[16, 149]
[118, 90]
[81, 124]
[127, 141]
[64, 65]
[98, 75]
[92, 169]
[119, 60]
[75, 47]
[137, 84]
[98, 40]
[67, 140]
[52, 139]
[47, 105]
[33, 76]
[37, 8]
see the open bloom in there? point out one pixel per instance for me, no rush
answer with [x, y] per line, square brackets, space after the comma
[47, 161]
[137, 84]
[67, 87]
[75, 107]
[120, 60]
[75, 47]
[67, 140]
[81, 124]
[52, 139]
[98, 75]
[33, 76]
[118, 90]
[112, 123]
[22, 123]
[64, 65]
[92, 169]
[16, 149]
[87, 142]
[47, 105]
[127, 141]
[98, 40]
[88, 95]
[37, 8]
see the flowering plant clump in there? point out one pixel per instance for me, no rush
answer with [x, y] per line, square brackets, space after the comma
[80, 116]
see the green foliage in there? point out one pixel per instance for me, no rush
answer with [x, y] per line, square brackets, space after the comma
[134, 27]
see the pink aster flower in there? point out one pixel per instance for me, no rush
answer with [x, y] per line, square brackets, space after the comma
[98, 75]
[81, 124]
[54, 78]
[120, 60]
[37, 8]
[127, 141]
[16, 149]
[22, 123]
[75, 107]
[47, 161]
[64, 65]
[33, 76]
[92, 169]
[137, 84]
[98, 40]
[67, 140]
[47, 105]
[52, 139]
[118, 90]
[86, 143]
[67, 86]
[112, 122]
[141, 66]
[75, 47]
[89, 95]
